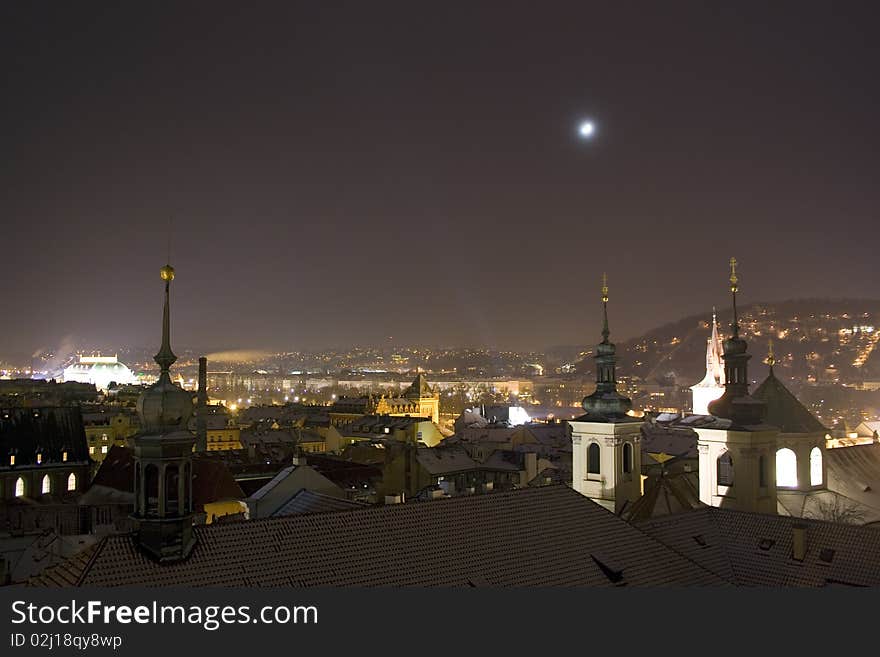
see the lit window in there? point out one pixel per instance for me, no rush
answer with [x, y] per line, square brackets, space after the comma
[39, 458]
[593, 459]
[47, 485]
[71, 482]
[103, 449]
[816, 467]
[91, 449]
[786, 468]
[64, 455]
[12, 459]
[19, 487]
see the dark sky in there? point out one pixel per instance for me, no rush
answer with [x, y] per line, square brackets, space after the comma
[341, 172]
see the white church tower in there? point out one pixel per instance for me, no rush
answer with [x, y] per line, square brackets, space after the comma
[712, 385]
[737, 450]
[607, 458]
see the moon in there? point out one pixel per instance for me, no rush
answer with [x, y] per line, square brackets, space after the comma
[586, 129]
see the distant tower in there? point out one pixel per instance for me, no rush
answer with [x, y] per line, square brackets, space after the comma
[163, 512]
[712, 385]
[737, 451]
[202, 407]
[607, 460]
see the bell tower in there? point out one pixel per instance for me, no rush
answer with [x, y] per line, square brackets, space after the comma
[737, 450]
[606, 440]
[163, 512]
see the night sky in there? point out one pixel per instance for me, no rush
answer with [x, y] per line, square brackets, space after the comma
[337, 173]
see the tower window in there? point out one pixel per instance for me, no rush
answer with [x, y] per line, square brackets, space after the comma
[815, 467]
[39, 458]
[627, 458]
[71, 482]
[47, 485]
[593, 459]
[786, 468]
[19, 487]
[725, 470]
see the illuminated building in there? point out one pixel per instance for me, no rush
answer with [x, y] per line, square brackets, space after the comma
[100, 371]
[737, 450]
[606, 460]
[712, 385]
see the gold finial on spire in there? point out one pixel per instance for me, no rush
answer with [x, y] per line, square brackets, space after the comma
[771, 360]
[734, 279]
[604, 288]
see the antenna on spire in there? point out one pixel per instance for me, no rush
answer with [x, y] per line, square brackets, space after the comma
[734, 286]
[605, 331]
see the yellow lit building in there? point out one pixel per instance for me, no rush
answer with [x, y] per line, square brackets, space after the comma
[107, 428]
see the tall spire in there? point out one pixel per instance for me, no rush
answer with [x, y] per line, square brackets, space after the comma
[771, 359]
[606, 403]
[165, 358]
[605, 331]
[734, 286]
[736, 404]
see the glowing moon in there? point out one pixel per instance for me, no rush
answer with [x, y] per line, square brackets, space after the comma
[586, 129]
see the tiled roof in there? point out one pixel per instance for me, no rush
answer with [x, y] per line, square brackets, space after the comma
[784, 410]
[309, 501]
[546, 536]
[665, 495]
[754, 549]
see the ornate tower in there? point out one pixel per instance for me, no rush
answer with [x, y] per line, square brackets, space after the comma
[737, 451]
[607, 461]
[163, 512]
[712, 385]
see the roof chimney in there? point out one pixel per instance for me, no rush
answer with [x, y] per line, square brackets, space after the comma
[798, 542]
[202, 407]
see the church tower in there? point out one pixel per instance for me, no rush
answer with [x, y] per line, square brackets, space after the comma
[737, 450]
[163, 513]
[712, 385]
[607, 458]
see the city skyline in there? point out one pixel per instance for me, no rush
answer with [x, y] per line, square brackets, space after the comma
[336, 178]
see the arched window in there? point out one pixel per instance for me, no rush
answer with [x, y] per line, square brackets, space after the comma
[151, 490]
[71, 482]
[171, 490]
[816, 467]
[593, 458]
[725, 470]
[47, 485]
[627, 457]
[19, 487]
[786, 468]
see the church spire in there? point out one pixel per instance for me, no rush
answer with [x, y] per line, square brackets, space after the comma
[736, 404]
[771, 359]
[166, 358]
[606, 403]
[605, 332]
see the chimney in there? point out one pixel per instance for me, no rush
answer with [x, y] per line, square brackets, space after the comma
[531, 463]
[202, 407]
[798, 542]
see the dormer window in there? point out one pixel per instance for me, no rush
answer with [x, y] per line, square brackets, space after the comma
[64, 456]
[12, 459]
[39, 458]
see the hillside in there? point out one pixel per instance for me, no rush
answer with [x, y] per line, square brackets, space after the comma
[814, 340]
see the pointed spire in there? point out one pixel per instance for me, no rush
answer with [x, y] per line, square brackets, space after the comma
[605, 332]
[771, 359]
[734, 286]
[165, 358]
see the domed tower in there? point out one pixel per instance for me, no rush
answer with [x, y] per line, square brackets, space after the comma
[737, 450]
[606, 452]
[163, 512]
